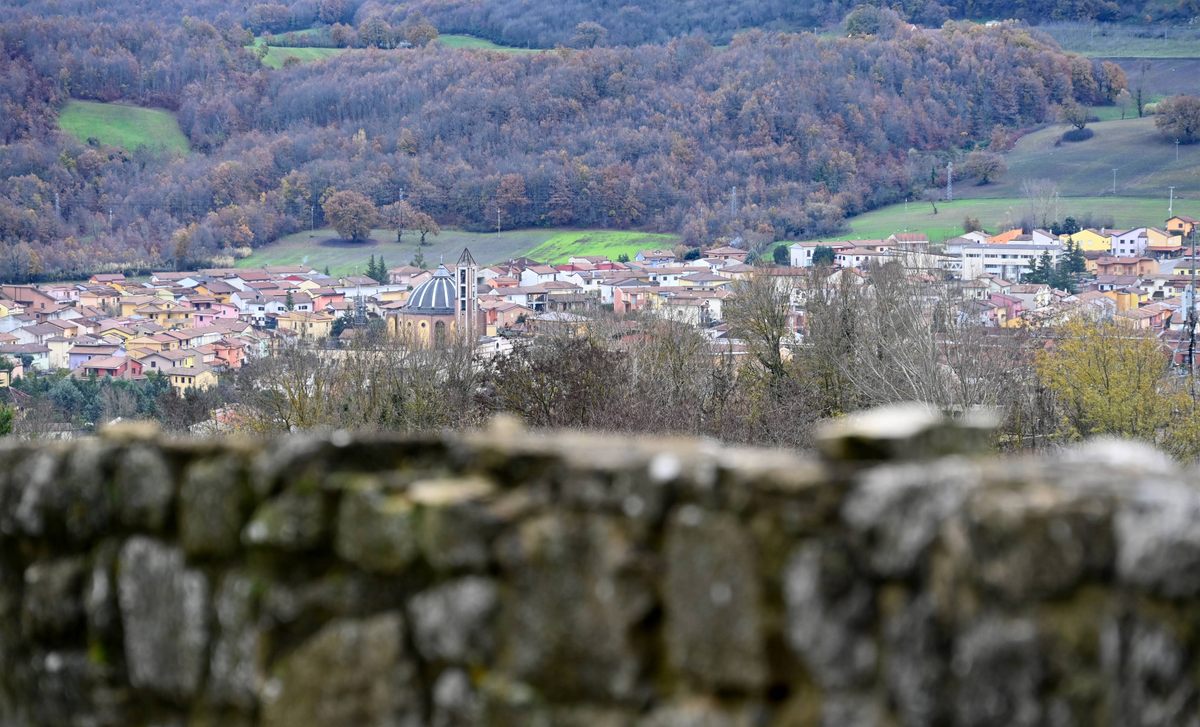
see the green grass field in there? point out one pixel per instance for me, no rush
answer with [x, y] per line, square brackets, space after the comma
[1108, 40]
[120, 125]
[323, 247]
[1005, 213]
[276, 56]
[612, 243]
[1145, 162]
[471, 42]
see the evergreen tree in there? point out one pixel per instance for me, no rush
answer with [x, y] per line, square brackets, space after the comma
[1075, 260]
[289, 302]
[371, 272]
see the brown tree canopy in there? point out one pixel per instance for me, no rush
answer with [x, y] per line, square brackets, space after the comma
[351, 213]
[1178, 119]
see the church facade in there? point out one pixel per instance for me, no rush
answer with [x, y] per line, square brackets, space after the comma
[440, 308]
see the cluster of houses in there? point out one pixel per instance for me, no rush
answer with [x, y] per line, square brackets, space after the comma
[190, 326]
[1138, 277]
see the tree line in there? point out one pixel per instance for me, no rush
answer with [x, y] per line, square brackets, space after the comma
[777, 136]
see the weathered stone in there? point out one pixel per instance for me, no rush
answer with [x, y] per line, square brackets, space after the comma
[164, 612]
[62, 683]
[235, 668]
[100, 592]
[453, 622]
[698, 713]
[87, 501]
[1000, 672]
[143, 487]
[829, 615]
[455, 702]
[1032, 542]
[53, 597]
[351, 672]
[914, 669]
[896, 511]
[1158, 540]
[213, 501]
[454, 525]
[907, 431]
[713, 601]
[574, 595]
[292, 520]
[36, 493]
[1151, 679]
[376, 531]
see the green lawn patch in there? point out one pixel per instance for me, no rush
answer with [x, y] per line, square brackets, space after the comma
[471, 42]
[322, 248]
[121, 125]
[613, 243]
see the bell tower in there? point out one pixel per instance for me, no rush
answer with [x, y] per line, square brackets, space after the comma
[467, 282]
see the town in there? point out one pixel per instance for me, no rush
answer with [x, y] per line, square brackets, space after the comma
[189, 328]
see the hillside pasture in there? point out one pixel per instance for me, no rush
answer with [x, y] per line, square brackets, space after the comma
[321, 248]
[1145, 163]
[613, 243]
[1006, 213]
[1113, 40]
[129, 127]
[471, 42]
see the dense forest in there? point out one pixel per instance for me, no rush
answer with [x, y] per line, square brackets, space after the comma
[781, 135]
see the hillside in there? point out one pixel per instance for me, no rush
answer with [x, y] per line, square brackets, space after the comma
[1145, 162]
[122, 125]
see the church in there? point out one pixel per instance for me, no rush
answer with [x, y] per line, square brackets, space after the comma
[441, 307]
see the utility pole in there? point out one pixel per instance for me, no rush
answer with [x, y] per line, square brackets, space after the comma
[1171, 204]
[949, 181]
[497, 219]
[1114, 188]
[1177, 150]
[733, 204]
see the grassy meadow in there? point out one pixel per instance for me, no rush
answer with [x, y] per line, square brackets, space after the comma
[471, 42]
[1107, 40]
[1005, 213]
[1145, 162]
[120, 125]
[321, 248]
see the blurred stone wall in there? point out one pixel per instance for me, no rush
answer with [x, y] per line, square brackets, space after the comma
[504, 578]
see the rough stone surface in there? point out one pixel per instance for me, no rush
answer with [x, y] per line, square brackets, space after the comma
[713, 600]
[572, 599]
[1158, 541]
[293, 520]
[376, 531]
[164, 612]
[574, 580]
[896, 511]
[829, 612]
[454, 523]
[1034, 542]
[53, 597]
[452, 623]
[999, 670]
[213, 500]
[235, 668]
[351, 672]
[144, 488]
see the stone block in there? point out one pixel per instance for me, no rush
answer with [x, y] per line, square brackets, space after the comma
[144, 487]
[235, 667]
[454, 522]
[213, 502]
[351, 672]
[53, 603]
[575, 591]
[452, 623]
[712, 595]
[293, 520]
[164, 614]
[376, 531]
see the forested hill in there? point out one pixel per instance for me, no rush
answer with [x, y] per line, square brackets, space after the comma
[807, 130]
[547, 23]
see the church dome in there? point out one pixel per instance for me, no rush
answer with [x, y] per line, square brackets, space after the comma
[434, 297]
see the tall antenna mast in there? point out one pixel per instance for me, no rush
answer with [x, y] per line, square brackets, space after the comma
[950, 181]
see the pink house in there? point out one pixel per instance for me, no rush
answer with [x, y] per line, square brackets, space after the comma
[1012, 307]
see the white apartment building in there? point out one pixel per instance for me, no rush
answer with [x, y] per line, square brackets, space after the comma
[1009, 261]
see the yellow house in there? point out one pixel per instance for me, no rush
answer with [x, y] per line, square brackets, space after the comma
[1181, 225]
[307, 325]
[1089, 240]
[185, 378]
